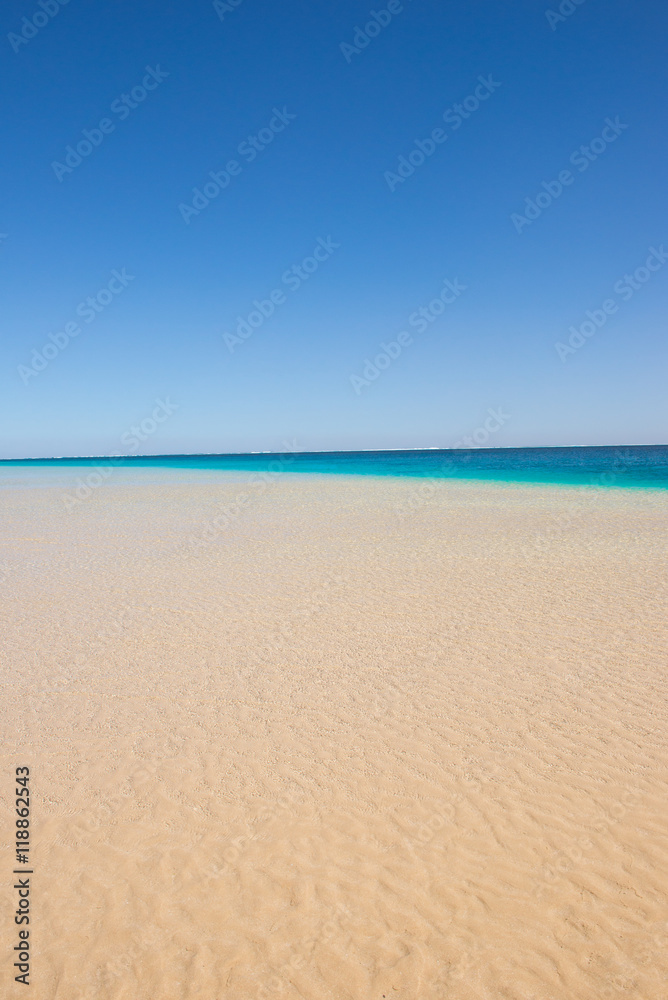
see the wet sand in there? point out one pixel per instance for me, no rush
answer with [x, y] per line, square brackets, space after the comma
[355, 743]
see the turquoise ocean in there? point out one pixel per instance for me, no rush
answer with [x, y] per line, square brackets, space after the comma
[639, 466]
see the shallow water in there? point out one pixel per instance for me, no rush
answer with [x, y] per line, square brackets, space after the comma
[623, 466]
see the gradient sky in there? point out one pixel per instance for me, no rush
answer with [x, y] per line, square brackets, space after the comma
[323, 177]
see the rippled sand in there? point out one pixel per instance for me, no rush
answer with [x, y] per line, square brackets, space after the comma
[338, 750]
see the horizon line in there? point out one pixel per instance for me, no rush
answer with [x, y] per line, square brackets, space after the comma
[333, 451]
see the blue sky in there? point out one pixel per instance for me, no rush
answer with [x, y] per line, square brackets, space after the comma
[328, 171]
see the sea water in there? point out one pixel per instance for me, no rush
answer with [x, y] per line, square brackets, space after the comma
[640, 466]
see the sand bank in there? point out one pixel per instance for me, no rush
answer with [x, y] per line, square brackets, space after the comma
[349, 742]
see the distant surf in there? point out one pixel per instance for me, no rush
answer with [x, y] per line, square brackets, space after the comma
[640, 466]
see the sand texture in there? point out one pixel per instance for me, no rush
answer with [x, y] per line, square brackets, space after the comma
[359, 743]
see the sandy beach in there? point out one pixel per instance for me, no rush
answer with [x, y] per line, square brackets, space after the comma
[356, 743]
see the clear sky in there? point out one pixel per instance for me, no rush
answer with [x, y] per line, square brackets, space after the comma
[309, 125]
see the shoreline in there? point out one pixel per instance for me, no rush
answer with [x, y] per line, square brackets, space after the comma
[98, 467]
